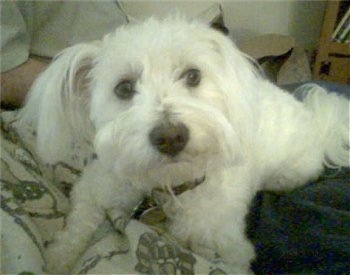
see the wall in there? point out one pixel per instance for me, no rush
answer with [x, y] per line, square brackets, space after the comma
[246, 19]
[300, 19]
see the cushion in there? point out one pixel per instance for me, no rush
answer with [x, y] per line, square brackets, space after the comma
[34, 205]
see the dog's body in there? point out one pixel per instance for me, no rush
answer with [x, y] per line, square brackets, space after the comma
[170, 101]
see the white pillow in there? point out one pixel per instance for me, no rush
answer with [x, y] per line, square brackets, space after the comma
[138, 11]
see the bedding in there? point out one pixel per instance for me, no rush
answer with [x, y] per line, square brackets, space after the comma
[33, 206]
[303, 231]
[306, 231]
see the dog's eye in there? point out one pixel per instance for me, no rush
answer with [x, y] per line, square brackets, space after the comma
[125, 89]
[192, 77]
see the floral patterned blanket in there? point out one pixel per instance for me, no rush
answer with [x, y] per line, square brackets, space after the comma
[308, 228]
[34, 203]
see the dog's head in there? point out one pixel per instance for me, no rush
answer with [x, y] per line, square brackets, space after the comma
[169, 97]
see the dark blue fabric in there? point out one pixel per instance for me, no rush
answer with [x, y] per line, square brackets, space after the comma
[304, 231]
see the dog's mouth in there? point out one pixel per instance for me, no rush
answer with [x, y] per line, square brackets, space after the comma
[177, 174]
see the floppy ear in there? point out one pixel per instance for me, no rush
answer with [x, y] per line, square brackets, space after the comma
[57, 105]
[239, 81]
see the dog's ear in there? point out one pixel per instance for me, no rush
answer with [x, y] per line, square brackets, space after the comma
[241, 67]
[58, 102]
[239, 80]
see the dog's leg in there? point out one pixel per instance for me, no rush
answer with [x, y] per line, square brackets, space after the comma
[81, 224]
[99, 193]
[121, 205]
[213, 215]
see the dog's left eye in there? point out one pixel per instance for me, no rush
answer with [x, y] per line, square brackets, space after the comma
[192, 77]
[125, 89]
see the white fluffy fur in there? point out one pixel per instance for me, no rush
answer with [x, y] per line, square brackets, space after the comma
[246, 134]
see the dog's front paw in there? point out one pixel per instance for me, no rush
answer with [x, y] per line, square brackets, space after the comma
[58, 259]
[238, 255]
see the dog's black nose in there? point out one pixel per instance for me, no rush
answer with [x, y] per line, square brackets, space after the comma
[169, 139]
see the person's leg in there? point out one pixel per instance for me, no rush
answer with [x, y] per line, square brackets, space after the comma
[16, 83]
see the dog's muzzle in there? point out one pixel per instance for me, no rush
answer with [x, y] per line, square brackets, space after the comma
[169, 139]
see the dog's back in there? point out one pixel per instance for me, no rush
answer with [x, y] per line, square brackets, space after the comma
[306, 136]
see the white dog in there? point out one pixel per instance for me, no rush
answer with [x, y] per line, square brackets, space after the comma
[165, 102]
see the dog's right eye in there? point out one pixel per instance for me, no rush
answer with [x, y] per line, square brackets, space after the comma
[125, 89]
